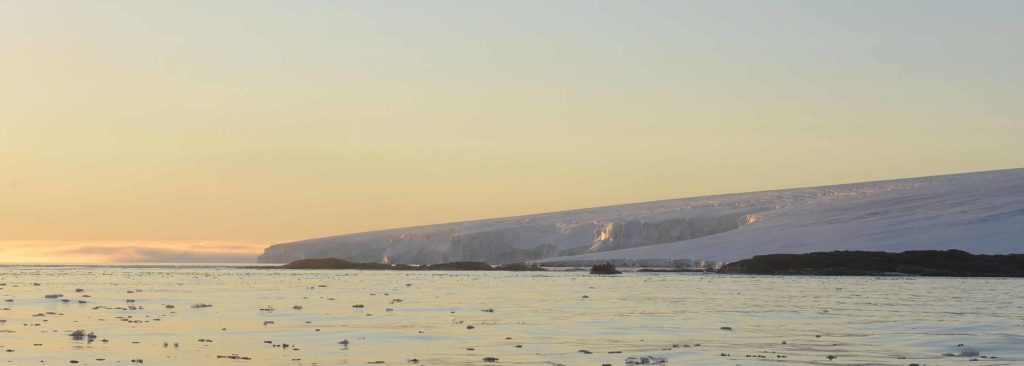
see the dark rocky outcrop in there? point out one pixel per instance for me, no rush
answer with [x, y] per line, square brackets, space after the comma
[950, 263]
[672, 270]
[604, 269]
[458, 266]
[519, 267]
[334, 263]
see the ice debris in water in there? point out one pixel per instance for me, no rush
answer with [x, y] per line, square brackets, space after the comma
[965, 352]
[646, 360]
[81, 334]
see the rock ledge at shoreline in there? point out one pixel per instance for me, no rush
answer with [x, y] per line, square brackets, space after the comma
[946, 263]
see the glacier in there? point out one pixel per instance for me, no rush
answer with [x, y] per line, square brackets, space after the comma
[982, 213]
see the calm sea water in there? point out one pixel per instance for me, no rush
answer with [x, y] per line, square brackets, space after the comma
[569, 318]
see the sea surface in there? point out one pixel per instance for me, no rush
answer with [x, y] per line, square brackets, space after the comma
[519, 318]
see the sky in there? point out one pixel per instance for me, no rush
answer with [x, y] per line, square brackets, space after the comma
[189, 131]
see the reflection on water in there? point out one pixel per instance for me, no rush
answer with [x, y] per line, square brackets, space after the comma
[446, 318]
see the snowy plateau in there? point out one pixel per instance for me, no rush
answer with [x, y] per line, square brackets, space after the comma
[982, 213]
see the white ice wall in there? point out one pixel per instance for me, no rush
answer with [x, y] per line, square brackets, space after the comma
[978, 212]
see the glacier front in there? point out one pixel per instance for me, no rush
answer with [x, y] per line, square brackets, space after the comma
[981, 213]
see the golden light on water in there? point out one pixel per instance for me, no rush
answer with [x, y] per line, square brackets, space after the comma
[151, 150]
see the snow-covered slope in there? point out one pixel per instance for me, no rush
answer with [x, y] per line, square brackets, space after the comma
[977, 212]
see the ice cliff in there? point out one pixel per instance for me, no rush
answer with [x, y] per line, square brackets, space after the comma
[977, 212]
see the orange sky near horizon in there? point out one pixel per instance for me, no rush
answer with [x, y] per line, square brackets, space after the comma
[133, 251]
[205, 131]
